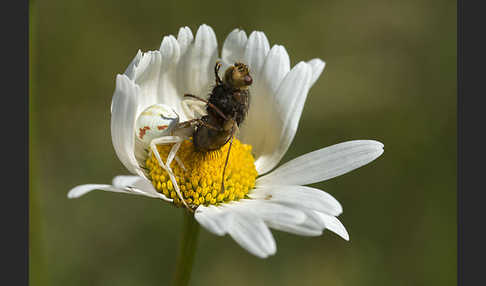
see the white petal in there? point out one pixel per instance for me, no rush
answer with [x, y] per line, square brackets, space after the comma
[140, 184]
[212, 218]
[256, 50]
[170, 52]
[124, 181]
[288, 218]
[251, 233]
[167, 91]
[289, 102]
[311, 226]
[325, 163]
[242, 222]
[307, 228]
[216, 218]
[147, 78]
[275, 68]
[234, 46]
[305, 198]
[130, 71]
[81, 190]
[271, 212]
[317, 66]
[314, 225]
[334, 225]
[263, 102]
[245, 220]
[196, 72]
[184, 38]
[123, 122]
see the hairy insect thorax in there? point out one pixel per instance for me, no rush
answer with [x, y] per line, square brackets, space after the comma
[232, 102]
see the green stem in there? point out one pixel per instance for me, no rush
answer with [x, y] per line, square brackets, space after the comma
[187, 250]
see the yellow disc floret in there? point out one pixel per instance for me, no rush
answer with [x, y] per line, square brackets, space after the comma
[200, 183]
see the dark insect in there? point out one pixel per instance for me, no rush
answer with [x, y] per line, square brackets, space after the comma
[226, 108]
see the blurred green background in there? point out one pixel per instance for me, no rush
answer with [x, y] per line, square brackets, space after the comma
[390, 76]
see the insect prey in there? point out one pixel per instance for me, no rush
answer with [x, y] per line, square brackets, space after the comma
[226, 108]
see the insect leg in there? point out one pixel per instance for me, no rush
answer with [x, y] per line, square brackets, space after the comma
[216, 70]
[198, 122]
[209, 104]
[153, 147]
[227, 156]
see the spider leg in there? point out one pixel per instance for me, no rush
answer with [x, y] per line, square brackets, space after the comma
[197, 122]
[173, 152]
[166, 167]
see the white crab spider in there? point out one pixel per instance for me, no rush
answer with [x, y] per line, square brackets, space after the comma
[156, 125]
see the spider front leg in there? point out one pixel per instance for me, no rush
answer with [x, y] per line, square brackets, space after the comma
[197, 122]
[172, 154]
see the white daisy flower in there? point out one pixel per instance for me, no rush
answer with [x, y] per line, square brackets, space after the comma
[255, 197]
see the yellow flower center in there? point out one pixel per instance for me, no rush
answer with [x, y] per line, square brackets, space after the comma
[200, 183]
